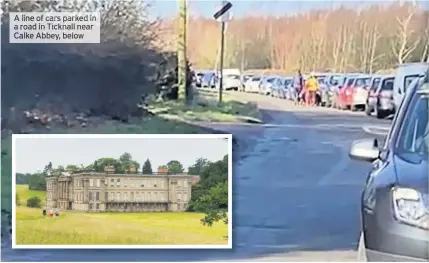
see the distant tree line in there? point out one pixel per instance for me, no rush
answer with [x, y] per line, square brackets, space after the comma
[366, 38]
[122, 165]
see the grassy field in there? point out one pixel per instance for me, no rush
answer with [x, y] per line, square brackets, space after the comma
[24, 194]
[77, 228]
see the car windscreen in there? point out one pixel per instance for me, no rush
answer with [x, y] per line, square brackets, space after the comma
[413, 137]
[387, 84]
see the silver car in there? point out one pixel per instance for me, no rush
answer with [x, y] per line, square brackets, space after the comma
[380, 97]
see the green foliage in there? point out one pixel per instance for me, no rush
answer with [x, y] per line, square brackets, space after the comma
[147, 167]
[34, 202]
[198, 167]
[175, 167]
[214, 204]
[22, 178]
[210, 195]
[37, 182]
[73, 168]
[17, 199]
[99, 165]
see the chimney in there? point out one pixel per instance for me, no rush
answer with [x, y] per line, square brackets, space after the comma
[109, 169]
[132, 169]
[162, 170]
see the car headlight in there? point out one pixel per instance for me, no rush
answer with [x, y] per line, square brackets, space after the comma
[411, 207]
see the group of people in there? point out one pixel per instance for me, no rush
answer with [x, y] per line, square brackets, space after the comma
[305, 90]
[53, 212]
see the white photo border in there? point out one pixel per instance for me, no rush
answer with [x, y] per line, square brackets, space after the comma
[123, 136]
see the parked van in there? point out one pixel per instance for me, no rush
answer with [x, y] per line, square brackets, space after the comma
[405, 74]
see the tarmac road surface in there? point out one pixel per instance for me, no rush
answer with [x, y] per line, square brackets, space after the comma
[296, 192]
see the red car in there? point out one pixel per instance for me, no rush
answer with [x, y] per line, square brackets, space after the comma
[354, 93]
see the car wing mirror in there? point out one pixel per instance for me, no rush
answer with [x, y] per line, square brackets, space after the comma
[365, 150]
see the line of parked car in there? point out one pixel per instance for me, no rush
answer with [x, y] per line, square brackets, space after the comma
[378, 94]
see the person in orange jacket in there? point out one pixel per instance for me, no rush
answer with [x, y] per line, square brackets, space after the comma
[312, 86]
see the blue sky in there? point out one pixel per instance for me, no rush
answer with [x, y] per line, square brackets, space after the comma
[168, 8]
[64, 151]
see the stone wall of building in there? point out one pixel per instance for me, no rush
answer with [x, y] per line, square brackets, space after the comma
[99, 192]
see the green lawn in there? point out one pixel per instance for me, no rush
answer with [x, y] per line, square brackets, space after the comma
[24, 194]
[77, 228]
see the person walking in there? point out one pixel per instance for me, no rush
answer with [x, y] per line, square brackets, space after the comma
[298, 85]
[312, 86]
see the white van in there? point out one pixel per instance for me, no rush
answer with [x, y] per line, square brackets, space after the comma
[405, 74]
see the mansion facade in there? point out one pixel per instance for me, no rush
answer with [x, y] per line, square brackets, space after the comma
[111, 192]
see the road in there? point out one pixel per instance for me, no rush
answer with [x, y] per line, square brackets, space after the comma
[296, 192]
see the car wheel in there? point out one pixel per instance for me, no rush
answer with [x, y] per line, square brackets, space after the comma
[361, 253]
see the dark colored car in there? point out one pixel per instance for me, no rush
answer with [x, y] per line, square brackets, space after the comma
[394, 203]
[380, 97]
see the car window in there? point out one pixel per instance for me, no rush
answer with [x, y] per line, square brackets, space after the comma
[409, 79]
[387, 84]
[271, 80]
[287, 82]
[334, 80]
[232, 76]
[256, 79]
[321, 80]
[350, 81]
[362, 82]
[375, 83]
[413, 137]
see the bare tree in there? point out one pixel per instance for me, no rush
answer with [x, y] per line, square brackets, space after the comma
[401, 44]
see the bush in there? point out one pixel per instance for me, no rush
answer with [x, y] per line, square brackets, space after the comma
[34, 202]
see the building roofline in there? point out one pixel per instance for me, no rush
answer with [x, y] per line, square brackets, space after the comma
[139, 175]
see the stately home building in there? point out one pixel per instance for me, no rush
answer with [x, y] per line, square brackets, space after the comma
[111, 192]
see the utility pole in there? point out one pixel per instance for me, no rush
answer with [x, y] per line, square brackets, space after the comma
[181, 50]
[222, 45]
[224, 16]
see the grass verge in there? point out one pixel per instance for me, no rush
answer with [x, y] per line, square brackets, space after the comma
[77, 228]
[205, 107]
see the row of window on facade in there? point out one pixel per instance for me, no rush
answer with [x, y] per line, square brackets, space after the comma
[49, 185]
[130, 182]
[96, 206]
[142, 196]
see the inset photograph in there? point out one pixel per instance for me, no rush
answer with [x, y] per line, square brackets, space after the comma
[122, 191]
